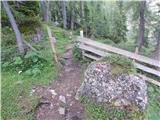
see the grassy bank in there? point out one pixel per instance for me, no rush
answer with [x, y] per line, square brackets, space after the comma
[17, 101]
[96, 111]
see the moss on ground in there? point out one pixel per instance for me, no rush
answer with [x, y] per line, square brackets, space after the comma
[119, 64]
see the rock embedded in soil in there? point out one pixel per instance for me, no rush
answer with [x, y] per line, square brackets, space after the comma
[61, 110]
[119, 90]
[53, 92]
[62, 99]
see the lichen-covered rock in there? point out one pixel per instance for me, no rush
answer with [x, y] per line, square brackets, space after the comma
[120, 90]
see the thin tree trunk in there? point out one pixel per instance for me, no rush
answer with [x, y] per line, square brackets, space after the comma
[82, 12]
[82, 15]
[47, 18]
[55, 11]
[45, 10]
[158, 46]
[72, 15]
[156, 55]
[42, 6]
[140, 37]
[64, 14]
[14, 27]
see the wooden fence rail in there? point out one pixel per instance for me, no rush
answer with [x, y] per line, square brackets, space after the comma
[102, 50]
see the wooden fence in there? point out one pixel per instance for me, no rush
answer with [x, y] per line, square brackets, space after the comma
[95, 50]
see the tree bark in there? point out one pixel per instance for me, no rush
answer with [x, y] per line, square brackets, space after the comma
[14, 27]
[55, 11]
[82, 12]
[64, 14]
[158, 46]
[82, 15]
[140, 37]
[72, 15]
[42, 6]
[45, 10]
[156, 54]
[47, 18]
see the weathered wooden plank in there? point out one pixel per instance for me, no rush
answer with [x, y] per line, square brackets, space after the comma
[147, 69]
[91, 56]
[119, 51]
[93, 50]
[146, 78]
[150, 80]
[103, 54]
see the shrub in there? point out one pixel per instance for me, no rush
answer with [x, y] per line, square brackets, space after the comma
[97, 111]
[77, 53]
[120, 63]
[30, 64]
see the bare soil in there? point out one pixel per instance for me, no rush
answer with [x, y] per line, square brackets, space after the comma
[66, 85]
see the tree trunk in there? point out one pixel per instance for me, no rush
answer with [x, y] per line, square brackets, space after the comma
[140, 37]
[156, 54]
[158, 46]
[42, 6]
[82, 12]
[82, 15]
[72, 15]
[14, 27]
[47, 18]
[45, 10]
[55, 11]
[64, 14]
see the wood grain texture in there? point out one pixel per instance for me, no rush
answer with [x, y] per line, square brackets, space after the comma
[109, 48]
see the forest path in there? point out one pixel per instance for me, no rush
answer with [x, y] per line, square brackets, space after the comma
[58, 99]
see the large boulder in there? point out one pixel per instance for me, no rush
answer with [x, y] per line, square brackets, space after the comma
[120, 89]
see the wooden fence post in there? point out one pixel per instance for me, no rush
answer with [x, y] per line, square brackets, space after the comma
[81, 35]
[52, 42]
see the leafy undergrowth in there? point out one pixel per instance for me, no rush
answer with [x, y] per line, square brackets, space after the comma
[21, 73]
[95, 111]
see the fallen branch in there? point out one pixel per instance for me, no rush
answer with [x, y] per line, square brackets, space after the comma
[30, 46]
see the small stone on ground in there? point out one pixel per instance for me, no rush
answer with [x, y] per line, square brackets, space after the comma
[62, 99]
[61, 111]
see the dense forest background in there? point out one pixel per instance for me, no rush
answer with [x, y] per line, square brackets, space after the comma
[124, 21]
[26, 56]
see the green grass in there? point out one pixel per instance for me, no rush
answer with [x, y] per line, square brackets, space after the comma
[152, 111]
[17, 104]
[95, 111]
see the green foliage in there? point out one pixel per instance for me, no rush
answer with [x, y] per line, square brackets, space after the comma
[77, 53]
[26, 14]
[30, 64]
[152, 111]
[8, 37]
[16, 88]
[17, 85]
[62, 61]
[110, 24]
[96, 111]
[120, 63]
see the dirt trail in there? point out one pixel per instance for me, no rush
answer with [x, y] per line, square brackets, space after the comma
[65, 86]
